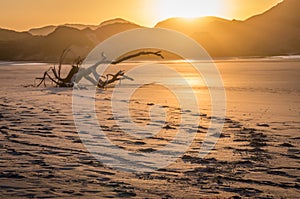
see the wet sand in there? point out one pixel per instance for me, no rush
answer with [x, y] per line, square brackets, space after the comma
[257, 154]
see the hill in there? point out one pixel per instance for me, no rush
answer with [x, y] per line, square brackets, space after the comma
[11, 35]
[28, 47]
[275, 32]
[46, 30]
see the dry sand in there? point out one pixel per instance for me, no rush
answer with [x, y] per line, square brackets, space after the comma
[42, 156]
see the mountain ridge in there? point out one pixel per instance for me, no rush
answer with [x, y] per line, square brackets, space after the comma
[46, 30]
[274, 32]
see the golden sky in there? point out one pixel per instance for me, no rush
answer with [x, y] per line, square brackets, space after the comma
[25, 14]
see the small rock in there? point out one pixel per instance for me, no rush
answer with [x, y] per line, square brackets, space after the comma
[147, 150]
[287, 145]
[168, 127]
[263, 125]
[3, 127]
[236, 197]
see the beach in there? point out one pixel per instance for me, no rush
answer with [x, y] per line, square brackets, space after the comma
[257, 154]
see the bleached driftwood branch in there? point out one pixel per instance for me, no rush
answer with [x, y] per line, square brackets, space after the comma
[76, 73]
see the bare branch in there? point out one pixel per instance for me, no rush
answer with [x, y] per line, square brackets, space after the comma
[75, 75]
[92, 69]
[157, 53]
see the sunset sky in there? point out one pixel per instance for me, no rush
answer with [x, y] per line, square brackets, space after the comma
[25, 14]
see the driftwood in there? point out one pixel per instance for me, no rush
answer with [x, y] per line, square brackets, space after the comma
[111, 78]
[76, 73]
[56, 74]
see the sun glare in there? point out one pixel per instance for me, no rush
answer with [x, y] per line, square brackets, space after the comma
[189, 8]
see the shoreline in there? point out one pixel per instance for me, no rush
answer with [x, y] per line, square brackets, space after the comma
[275, 58]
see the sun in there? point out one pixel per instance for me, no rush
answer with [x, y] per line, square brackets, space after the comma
[189, 8]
